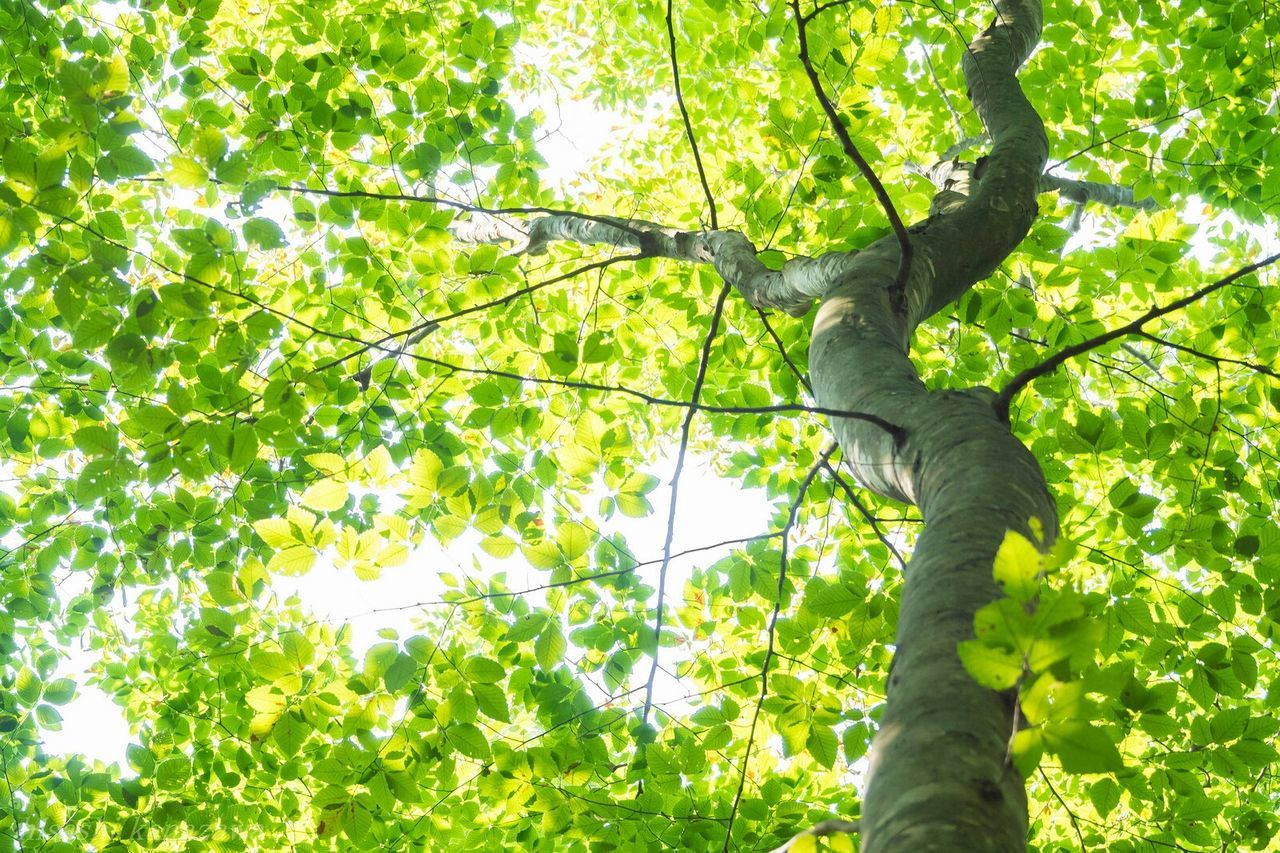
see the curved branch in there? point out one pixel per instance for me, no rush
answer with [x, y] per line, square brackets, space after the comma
[1080, 192]
[684, 114]
[851, 151]
[1053, 362]
[792, 289]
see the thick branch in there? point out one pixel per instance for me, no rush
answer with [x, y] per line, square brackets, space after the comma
[791, 289]
[938, 779]
[1082, 192]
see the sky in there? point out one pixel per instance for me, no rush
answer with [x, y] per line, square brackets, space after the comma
[712, 510]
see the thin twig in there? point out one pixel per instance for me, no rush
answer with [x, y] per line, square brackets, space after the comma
[851, 151]
[426, 326]
[782, 350]
[684, 113]
[1216, 359]
[865, 513]
[773, 624]
[685, 430]
[459, 205]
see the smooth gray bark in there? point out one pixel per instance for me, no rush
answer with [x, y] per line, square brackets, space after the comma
[940, 779]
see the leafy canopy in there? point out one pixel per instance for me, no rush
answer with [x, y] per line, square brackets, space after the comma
[211, 260]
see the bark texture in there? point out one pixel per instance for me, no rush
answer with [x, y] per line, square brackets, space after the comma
[939, 778]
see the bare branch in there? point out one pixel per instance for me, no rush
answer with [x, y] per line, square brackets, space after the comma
[852, 152]
[685, 429]
[1216, 359]
[1081, 192]
[684, 113]
[1053, 362]
[773, 624]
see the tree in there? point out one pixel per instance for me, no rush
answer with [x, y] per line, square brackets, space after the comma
[287, 282]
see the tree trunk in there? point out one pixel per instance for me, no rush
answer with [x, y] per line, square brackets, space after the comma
[940, 778]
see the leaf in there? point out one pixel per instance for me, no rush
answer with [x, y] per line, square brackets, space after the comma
[186, 172]
[830, 600]
[998, 669]
[270, 665]
[378, 464]
[549, 648]
[244, 447]
[805, 843]
[1082, 748]
[96, 441]
[289, 733]
[172, 774]
[276, 532]
[264, 233]
[325, 495]
[573, 539]
[823, 745]
[298, 650]
[327, 463]
[484, 670]
[130, 162]
[60, 691]
[492, 701]
[294, 560]
[469, 740]
[1017, 567]
[1105, 796]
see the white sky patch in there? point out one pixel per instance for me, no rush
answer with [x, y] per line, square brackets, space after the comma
[711, 510]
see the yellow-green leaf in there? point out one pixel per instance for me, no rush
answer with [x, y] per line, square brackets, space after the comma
[325, 495]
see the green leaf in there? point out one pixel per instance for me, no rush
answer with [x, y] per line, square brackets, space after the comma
[1017, 567]
[549, 648]
[830, 600]
[484, 671]
[325, 495]
[293, 560]
[264, 233]
[276, 532]
[1082, 748]
[130, 162]
[823, 745]
[244, 447]
[1105, 796]
[492, 701]
[186, 172]
[998, 669]
[172, 774]
[96, 441]
[59, 691]
[573, 539]
[289, 733]
[469, 740]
